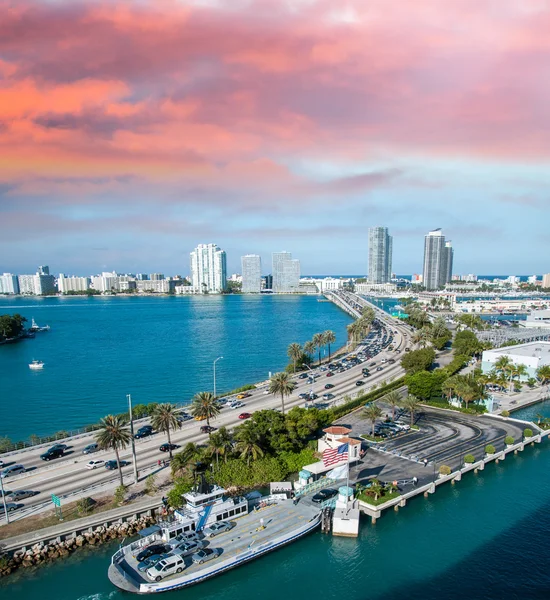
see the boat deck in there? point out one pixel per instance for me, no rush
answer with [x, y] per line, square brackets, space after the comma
[279, 519]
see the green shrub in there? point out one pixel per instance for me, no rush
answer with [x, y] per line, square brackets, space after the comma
[244, 388]
[490, 449]
[151, 487]
[294, 461]
[120, 493]
[527, 433]
[469, 459]
[444, 470]
[182, 485]
[505, 413]
[509, 440]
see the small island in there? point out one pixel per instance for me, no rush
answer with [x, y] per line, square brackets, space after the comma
[12, 328]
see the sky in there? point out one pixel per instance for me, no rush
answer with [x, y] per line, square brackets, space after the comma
[131, 131]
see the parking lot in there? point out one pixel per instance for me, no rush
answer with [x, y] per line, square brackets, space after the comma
[443, 438]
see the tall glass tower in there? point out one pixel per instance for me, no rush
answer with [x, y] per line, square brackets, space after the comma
[380, 255]
[438, 260]
[252, 274]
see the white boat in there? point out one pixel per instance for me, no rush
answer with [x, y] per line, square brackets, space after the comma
[259, 525]
[35, 327]
[36, 364]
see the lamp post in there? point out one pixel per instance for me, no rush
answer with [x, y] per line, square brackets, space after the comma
[217, 359]
[4, 499]
[134, 457]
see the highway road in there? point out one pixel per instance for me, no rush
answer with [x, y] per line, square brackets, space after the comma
[68, 476]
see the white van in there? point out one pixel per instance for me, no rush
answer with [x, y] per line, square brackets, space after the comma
[165, 567]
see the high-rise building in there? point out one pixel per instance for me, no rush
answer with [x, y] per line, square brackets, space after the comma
[286, 273]
[45, 270]
[252, 274]
[438, 260]
[546, 280]
[380, 255]
[208, 269]
[41, 284]
[156, 276]
[72, 284]
[9, 284]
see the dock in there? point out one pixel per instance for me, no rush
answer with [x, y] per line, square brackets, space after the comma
[256, 533]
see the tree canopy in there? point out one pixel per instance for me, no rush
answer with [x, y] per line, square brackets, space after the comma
[418, 360]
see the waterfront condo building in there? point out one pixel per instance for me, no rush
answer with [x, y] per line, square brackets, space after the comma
[9, 284]
[40, 284]
[438, 260]
[208, 269]
[72, 284]
[546, 280]
[286, 273]
[251, 274]
[380, 255]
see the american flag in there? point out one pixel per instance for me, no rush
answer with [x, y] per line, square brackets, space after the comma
[335, 455]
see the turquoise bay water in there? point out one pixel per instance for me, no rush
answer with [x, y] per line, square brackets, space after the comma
[155, 348]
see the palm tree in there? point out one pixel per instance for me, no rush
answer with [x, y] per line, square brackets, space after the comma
[248, 444]
[421, 337]
[319, 341]
[294, 352]
[188, 456]
[371, 412]
[309, 348]
[393, 399]
[411, 403]
[114, 435]
[281, 383]
[543, 375]
[220, 444]
[375, 488]
[330, 338]
[165, 418]
[449, 387]
[518, 371]
[204, 405]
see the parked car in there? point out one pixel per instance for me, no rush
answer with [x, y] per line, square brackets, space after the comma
[166, 447]
[329, 386]
[52, 453]
[151, 562]
[90, 448]
[245, 415]
[188, 536]
[208, 429]
[217, 528]
[188, 547]
[166, 566]
[151, 550]
[205, 555]
[110, 465]
[144, 431]
[10, 507]
[20, 495]
[12, 470]
[324, 495]
[95, 464]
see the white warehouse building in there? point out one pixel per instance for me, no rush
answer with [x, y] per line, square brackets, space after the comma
[533, 355]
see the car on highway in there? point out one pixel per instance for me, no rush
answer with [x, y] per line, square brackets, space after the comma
[52, 453]
[207, 429]
[151, 550]
[200, 418]
[20, 495]
[359, 383]
[328, 396]
[303, 395]
[372, 364]
[379, 368]
[312, 396]
[59, 447]
[245, 415]
[90, 448]
[167, 566]
[95, 464]
[330, 374]
[243, 396]
[323, 495]
[111, 465]
[237, 404]
[166, 447]
[303, 376]
[329, 386]
[205, 555]
[182, 417]
[10, 507]
[12, 470]
[144, 431]
[217, 528]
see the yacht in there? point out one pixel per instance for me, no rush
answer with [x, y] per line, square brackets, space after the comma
[36, 364]
[253, 526]
[35, 327]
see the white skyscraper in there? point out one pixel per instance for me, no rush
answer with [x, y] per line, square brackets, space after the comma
[286, 273]
[380, 255]
[72, 284]
[438, 260]
[208, 269]
[9, 284]
[252, 274]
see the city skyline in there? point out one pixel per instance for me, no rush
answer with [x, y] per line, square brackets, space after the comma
[113, 158]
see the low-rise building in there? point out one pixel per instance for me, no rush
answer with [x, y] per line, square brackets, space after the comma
[375, 288]
[533, 355]
[159, 286]
[537, 318]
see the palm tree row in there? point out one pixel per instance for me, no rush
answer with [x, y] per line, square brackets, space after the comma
[411, 403]
[465, 387]
[296, 352]
[359, 328]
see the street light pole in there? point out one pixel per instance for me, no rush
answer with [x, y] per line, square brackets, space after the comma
[217, 359]
[134, 457]
[4, 499]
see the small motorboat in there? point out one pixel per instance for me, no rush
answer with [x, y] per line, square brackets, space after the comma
[36, 364]
[35, 327]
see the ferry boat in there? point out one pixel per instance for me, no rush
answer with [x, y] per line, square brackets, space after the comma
[258, 526]
[36, 364]
[35, 327]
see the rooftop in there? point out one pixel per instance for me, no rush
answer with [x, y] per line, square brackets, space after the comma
[530, 349]
[337, 430]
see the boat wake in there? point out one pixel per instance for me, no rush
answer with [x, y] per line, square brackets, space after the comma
[100, 596]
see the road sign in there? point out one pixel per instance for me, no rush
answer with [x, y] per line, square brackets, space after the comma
[56, 500]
